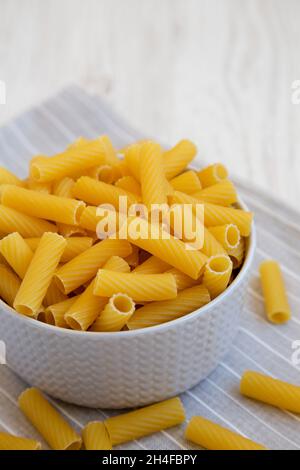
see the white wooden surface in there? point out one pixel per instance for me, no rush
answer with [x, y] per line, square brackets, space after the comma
[217, 71]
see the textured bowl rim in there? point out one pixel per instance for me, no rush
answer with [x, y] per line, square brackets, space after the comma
[97, 335]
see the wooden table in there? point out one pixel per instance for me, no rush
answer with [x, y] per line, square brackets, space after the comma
[220, 72]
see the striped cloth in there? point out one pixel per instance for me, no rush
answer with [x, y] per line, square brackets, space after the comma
[259, 345]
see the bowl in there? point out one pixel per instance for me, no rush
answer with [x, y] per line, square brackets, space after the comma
[127, 368]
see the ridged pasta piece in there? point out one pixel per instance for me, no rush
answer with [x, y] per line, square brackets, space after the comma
[272, 391]
[276, 302]
[74, 246]
[45, 206]
[53, 295]
[7, 177]
[96, 192]
[11, 442]
[9, 284]
[228, 235]
[188, 222]
[84, 267]
[116, 263]
[217, 274]
[183, 281]
[63, 187]
[106, 173]
[171, 250]
[16, 252]
[145, 421]
[177, 158]
[123, 168]
[133, 258]
[140, 287]
[50, 424]
[39, 274]
[212, 174]
[237, 254]
[153, 180]
[215, 215]
[45, 188]
[109, 151]
[55, 314]
[78, 142]
[67, 230]
[14, 221]
[115, 314]
[132, 159]
[152, 265]
[130, 184]
[155, 313]
[223, 194]
[82, 314]
[187, 182]
[74, 159]
[212, 436]
[89, 218]
[95, 436]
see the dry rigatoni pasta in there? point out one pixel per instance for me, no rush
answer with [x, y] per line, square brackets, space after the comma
[171, 250]
[275, 296]
[140, 287]
[39, 274]
[16, 252]
[156, 313]
[11, 442]
[212, 174]
[152, 265]
[74, 159]
[215, 215]
[272, 391]
[115, 314]
[84, 267]
[96, 437]
[96, 192]
[63, 187]
[12, 220]
[55, 314]
[45, 418]
[67, 230]
[237, 254]
[39, 187]
[153, 180]
[228, 235]
[223, 194]
[145, 421]
[177, 158]
[82, 314]
[9, 284]
[130, 184]
[217, 274]
[187, 182]
[212, 436]
[53, 295]
[7, 177]
[44, 206]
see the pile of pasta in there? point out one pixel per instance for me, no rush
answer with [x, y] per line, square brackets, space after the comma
[54, 268]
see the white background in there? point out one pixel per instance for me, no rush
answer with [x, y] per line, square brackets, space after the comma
[217, 71]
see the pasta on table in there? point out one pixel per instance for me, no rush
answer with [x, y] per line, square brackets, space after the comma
[100, 239]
